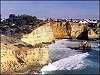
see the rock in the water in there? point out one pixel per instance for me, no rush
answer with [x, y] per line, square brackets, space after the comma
[85, 46]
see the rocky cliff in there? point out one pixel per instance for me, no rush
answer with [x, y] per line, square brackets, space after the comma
[77, 29]
[42, 34]
[21, 58]
[59, 30]
[94, 34]
[54, 30]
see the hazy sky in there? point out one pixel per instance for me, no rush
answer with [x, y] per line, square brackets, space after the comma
[54, 9]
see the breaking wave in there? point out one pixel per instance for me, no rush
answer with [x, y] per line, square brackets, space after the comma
[72, 62]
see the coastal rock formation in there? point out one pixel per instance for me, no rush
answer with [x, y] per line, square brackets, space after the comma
[77, 30]
[7, 58]
[69, 30]
[46, 33]
[92, 34]
[85, 46]
[60, 30]
[41, 34]
[55, 30]
[23, 58]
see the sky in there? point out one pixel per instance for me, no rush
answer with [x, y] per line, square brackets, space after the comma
[53, 9]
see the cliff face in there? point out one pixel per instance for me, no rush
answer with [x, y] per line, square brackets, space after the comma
[54, 30]
[46, 33]
[69, 30]
[92, 34]
[77, 29]
[42, 34]
[59, 30]
[22, 59]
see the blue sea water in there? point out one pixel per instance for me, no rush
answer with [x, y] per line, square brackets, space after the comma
[67, 60]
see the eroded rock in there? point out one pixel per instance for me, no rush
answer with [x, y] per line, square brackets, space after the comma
[23, 59]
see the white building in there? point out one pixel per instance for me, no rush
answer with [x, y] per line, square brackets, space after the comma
[83, 22]
[91, 21]
[2, 20]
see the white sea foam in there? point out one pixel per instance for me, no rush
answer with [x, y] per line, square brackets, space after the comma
[64, 43]
[61, 49]
[69, 59]
[70, 63]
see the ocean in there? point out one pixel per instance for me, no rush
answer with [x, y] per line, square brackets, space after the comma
[67, 60]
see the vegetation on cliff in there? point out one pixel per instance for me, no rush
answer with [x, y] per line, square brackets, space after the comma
[18, 24]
